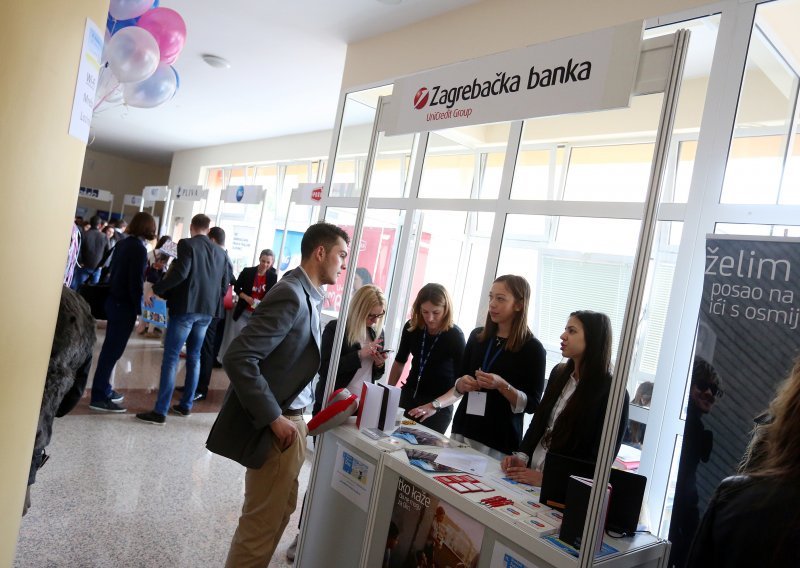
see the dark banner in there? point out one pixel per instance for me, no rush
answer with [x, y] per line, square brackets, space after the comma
[747, 339]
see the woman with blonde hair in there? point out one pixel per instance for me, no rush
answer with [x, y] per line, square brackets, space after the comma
[436, 346]
[362, 358]
[754, 519]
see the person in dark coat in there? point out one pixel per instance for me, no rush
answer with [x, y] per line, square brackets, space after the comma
[123, 305]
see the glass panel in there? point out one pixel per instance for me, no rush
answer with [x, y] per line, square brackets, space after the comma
[590, 163]
[569, 272]
[392, 162]
[453, 251]
[764, 119]
[757, 230]
[354, 136]
[377, 251]
[534, 173]
[691, 100]
[609, 173]
[455, 159]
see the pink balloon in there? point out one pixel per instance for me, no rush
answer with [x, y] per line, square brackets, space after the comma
[168, 28]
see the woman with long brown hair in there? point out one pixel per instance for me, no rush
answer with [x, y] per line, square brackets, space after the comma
[569, 421]
[754, 519]
[501, 373]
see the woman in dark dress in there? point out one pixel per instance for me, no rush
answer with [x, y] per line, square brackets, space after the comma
[569, 420]
[124, 303]
[436, 346]
[362, 358]
[502, 373]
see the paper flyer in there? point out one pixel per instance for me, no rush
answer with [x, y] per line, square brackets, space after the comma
[353, 477]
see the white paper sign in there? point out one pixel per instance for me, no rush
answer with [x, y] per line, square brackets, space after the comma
[582, 73]
[191, 193]
[353, 477]
[469, 463]
[86, 85]
[155, 193]
[246, 194]
[307, 194]
[132, 200]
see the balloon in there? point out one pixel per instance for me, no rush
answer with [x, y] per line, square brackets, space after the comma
[168, 28]
[132, 55]
[113, 25]
[107, 84]
[127, 9]
[153, 91]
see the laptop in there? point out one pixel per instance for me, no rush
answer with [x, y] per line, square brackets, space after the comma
[627, 490]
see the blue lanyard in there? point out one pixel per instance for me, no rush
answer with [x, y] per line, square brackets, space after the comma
[423, 359]
[488, 358]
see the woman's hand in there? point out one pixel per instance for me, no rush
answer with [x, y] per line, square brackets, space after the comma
[421, 413]
[246, 298]
[370, 350]
[490, 381]
[523, 474]
[467, 384]
[512, 461]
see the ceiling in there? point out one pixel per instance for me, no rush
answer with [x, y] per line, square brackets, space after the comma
[286, 62]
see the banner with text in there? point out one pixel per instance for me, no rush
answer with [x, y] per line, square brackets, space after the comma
[746, 342]
[588, 72]
[246, 194]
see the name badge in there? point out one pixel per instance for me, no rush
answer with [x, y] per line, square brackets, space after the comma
[476, 403]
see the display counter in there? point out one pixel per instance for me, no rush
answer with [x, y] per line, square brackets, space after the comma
[373, 508]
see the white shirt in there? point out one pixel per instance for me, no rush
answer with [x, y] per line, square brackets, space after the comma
[540, 453]
[306, 396]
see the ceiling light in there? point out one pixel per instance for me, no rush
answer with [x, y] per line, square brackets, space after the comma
[216, 61]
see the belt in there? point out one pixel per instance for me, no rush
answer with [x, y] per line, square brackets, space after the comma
[293, 412]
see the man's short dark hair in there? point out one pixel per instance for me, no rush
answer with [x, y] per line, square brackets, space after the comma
[201, 222]
[324, 234]
[266, 252]
[95, 221]
[217, 234]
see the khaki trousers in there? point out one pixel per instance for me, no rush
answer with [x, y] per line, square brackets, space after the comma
[270, 497]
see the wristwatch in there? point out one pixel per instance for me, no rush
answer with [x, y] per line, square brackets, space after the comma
[436, 403]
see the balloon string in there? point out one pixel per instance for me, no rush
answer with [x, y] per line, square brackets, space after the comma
[108, 93]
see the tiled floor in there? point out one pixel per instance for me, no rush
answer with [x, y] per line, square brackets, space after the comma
[119, 492]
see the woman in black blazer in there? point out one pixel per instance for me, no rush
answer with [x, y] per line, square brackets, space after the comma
[124, 303]
[361, 358]
[569, 420]
[254, 283]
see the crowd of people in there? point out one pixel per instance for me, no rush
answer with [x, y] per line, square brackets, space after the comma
[278, 345]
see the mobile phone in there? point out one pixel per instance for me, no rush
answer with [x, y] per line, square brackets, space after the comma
[382, 351]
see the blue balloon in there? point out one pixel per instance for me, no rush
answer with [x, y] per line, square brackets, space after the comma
[113, 25]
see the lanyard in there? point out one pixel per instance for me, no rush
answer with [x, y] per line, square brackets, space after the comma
[488, 358]
[423, 359]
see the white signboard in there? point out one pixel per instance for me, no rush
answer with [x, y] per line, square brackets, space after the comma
[86, 85]
[242, 242]
[352, 477]
[307, 194]
[132, 200]
[582, 73]
[191, 193]
[92, 193]
[247, 194]
[155, 193]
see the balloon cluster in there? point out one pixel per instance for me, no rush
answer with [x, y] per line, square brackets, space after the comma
[142, 42]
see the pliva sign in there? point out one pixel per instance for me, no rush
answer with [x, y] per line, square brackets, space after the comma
[583, 73]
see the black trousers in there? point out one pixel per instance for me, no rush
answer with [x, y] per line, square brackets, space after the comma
[208, 353]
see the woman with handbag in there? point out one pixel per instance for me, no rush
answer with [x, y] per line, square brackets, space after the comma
[123, 305]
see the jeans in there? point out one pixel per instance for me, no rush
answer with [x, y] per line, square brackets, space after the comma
[183, 328]
[208, 355]
[81, 275]
[121, 319]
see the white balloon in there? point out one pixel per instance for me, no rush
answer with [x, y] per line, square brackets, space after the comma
[127, 9]
[133, 54]
[153, 91]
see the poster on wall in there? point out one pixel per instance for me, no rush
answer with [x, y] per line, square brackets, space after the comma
[746, 342]
[426, 531]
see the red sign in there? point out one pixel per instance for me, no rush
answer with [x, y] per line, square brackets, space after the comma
[316, 194]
